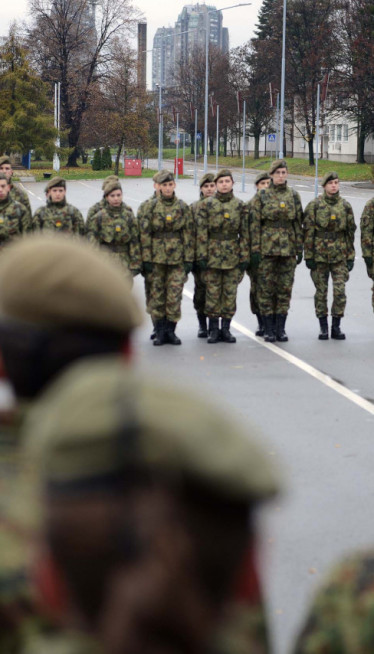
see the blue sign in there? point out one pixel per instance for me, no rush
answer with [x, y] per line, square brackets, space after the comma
[271, 138]
[198, 136]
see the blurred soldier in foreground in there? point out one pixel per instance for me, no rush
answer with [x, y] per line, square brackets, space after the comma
[222, 252]
[16, 192]
[60, 300]
[207, 190]
[262, 182]
[329, 227]
[147, 519]
[58, 215]
[276, 248]
[13, 215]
[367, 240]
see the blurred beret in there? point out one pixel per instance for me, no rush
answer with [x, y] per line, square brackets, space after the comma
[55, 181]
[224, 172]
[5, 160]
[3, 176]
[110, 178]
[55, 281]
[328, 177]
[261, 176]
[278, 163]
[208, 177]
[99, 419]
[165, 176]
[112, 185]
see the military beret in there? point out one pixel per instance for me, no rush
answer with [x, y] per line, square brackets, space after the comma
[278, 163]
[224, 172]
[208, 177]
[3, 176]
[99, 419]
[107, 180]
[55, 281]
[112, 186]
[328, 177]
[5, 160]
[55, 181]
[165, 176]
[261, 176]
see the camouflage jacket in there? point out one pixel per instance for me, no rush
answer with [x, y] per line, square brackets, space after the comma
[17, 194]
[13, 220]
[276, 222]
[94, 210]
[142, 209]
[367, 229]
[222, 231]
[59, 216]
[167, 231]
[329, 228]
[116, 229]
[340, 620]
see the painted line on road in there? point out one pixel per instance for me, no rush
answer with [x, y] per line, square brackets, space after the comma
[302, 365]
[83, 184]
[31, 193]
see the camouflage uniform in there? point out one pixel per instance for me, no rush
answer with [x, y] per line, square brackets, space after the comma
[13, 220]
[277, 240]
[200, 285]
[329, 242]
[341, 617]
[143, 208]
[167, 241]
[116, 230]
[19, 195]
[59, 217]
[367, 240]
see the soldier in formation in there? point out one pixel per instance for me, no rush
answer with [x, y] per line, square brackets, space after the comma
[207, 190]
[16, 192]
[58, 215]
[14, 216]
[222, 253]
[276, 248]
[329, 228]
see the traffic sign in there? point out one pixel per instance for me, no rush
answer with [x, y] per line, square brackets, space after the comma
[271, 137]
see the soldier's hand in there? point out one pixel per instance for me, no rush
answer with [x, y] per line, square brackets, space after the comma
[299, 258]
[202, 264]
[187, 267]
[147, 267]
[243, 266]
[350, 264]
[369, 266]
[311, 264]
[255, 260]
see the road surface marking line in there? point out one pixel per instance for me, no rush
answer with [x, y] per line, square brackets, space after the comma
[305, 367]
[31, 193]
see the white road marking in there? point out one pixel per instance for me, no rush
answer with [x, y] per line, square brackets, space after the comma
[34, 194]
[83, 184]
[305, 367]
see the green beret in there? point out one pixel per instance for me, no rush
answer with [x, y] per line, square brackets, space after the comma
[261, 176]
[5, 160]
[107, 180]
[224, 172]
[55, 181]
[208, 177]
[278, 163]
[329, 176]
[165, 176]
[112, 186]
[99, 418]
[55, 281]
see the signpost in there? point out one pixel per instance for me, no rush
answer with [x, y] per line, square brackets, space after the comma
[272, 139]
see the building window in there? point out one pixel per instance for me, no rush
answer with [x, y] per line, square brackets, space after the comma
[338, 133]
[332, 133]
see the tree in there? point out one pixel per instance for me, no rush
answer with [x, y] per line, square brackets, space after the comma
[26, 113]
[97, 163]
[106, 159]
[72, 42]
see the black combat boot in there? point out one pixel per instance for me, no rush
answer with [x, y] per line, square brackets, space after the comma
[170, 333]
[153, 335]
[214, 332]
[335, 329]
[160, 335]
[226, 335]
[280, 324]
[261, 329]
[203, 330]
[324, 327]
[268, 326]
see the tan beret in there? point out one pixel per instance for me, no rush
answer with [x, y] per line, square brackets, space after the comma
[224, 172]
[261, 176]
[112, 186]
[278, 163]
[5, 160]
[165, 176]
[110, 178]
[328, 177]
[55, 181]
[56, 281]
[208, 177]
[99, 417]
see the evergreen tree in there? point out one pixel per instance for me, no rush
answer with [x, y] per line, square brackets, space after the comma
[97, 161]
[106, 159]
[265, 27]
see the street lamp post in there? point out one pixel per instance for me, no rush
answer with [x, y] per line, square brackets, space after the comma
[283, 80]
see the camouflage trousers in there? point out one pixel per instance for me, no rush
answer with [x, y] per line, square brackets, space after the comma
[275, 282]
[166, 291]
[253, 293]
[147, 291]
[221, 290]
[320, 277]
[199, 292]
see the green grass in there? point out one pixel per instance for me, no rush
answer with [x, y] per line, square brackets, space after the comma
[84, 171]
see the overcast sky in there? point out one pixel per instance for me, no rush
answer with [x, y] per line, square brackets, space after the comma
[240, 21]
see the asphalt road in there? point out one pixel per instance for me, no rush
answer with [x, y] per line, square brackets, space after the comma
[312, 400]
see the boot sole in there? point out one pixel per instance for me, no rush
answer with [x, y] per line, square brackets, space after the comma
[323, 337]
